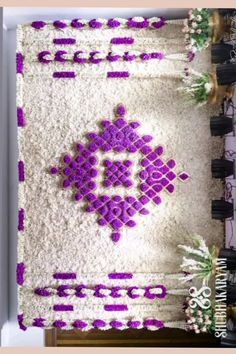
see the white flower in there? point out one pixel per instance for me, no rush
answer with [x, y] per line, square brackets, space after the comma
[200, 320]
[207, 317]
[208, 87]
[199, 313]
[198, 18]
[199, 8]
[189, 321]
[195, 327]
[186, 22]
[194, 49]
[197, 331]
[203, 329]
[208, 322]
[192, 30]
[192, 17]
[199, 31]
[192, 41]
[194, 24]
[190, 12]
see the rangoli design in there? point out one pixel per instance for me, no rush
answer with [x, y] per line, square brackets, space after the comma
[79, 172]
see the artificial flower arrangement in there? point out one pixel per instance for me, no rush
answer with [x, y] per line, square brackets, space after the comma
[202, 88]
[198, 262]
[198, 319]
[203, 27]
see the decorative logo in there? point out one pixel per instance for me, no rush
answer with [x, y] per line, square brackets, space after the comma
[79, 172]
[200, 297]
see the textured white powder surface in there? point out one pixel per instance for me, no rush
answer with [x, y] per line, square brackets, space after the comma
[58, 235]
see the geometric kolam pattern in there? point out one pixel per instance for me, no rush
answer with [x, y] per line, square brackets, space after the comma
[79, 172]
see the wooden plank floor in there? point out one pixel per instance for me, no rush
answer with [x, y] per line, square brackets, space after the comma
[129, 338]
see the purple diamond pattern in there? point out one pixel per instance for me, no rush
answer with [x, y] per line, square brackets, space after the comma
[80, 171]
[117, 173]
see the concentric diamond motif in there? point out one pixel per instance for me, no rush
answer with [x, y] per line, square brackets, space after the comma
[80, 171]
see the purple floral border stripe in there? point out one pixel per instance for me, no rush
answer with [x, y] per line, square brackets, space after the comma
[19, 63]
[64, 40]
[21, 217]
[116, 307]
[122, 40]
[64, 276]
[20, 269]
[98, 323]
[21, 171]
[64, 74]
[62, 307]
[117, 74]
[120, 275]
[20, 117]
[96, 24]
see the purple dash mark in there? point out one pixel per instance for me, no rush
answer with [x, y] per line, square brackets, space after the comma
[20, 117]
[59, 324]
[38, 322]
[120, 275]
[118, 74]
[153, 322]
[120, 111]
[64, 41]
[160, 23]
[62, 307]
[115, 236]
[64, 74]
[113, 23]
[113, 57]
[19, 63]
[116, 307]
[79, 324]
[148, 294]
[95, 24]
[122, 40]
[41, 57]
[42, 292]
[21, 171]
[116, 324]
[137, 24]
[20, 269]
[98, 323]
[21, 216]
[38, 24]
[20, 319]
[59, 24]
[64, 276]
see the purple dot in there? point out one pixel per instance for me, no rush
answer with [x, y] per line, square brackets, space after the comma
[133, 324]
[38, 24]
[67, 171]
[131, 223]
[116, 224]
[164, 169]
[104, 198]
[79, 324]
[89, 209]
[159, 150]
[150, 181]
[183, 176]
[144, 211]
[157, 200]
[93, 172]
[145, 162]
[130, 199]
[91, 185]
[146, 149]
[158, 163]
[107, 183]
[80, 147]
[66, 183]
[67, 159]
[121, 110]
[171, 163]
[116, 324]
[144, 187]
[102, 222]
[151, 193]
[99, 323]
[92, 147]
[170, 188]
[164, 182]
[147, 138]
[171, 175]
[152, 156]
[54, 170]
[156, 175]
[131, 212]
[105, 123]
[128, 183]
[132, 148]
[73, 164]
[157, 188]
[59, 24]
[80, 159]
[143, 174]
[116, 198]
[117, 183]
[91, 197]
[120, 122]
[137, 205]
[115, 236]
[134, 125]
[93, 160]
[143, 199]
[106, 147]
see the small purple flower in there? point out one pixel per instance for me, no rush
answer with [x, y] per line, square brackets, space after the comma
[191, 55]
[95, 24]
[38, 24]
[77, 24]
[59, 324]
[59, 24]
[113, 23]
[137, 24]
[20, 319]
[160, 23]
[98, 323]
